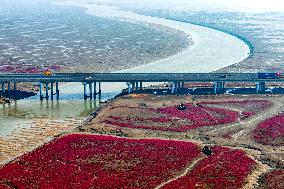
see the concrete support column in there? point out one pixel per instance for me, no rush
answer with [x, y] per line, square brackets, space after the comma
[95, 90]
[91, 90]
[176, 87]
[100, 90]
[46, 91]
[128, 87]
[221, 87]
[85, 91]
[15, 86]
[9, 86]
[215, 85]
[172, 88]
[3, 87]
[218, 87]
[260, 87]
[40, 91]
[137, 87]
[133, 87]
[51, 91]
[57, 90]
[257, 88]
[141, 87]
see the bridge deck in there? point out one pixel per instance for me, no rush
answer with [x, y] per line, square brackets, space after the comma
[136, 77]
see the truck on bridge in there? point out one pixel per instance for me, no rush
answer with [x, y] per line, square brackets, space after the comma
[270, 75]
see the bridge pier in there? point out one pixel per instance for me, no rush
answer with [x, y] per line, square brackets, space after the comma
[95, 90]
[141, 87]
[218, 87]
[137, 87]
[128, 87]
[9, 86]
[215, 87]
[100, 90]
[172, 87]
[15, 86]
[51, 90]
[176, 87]
[179, 87]
[57, 90]
[132, 87]
[260, 87]
[46, 91]
[91, 90]
[40, 91]
[3, 88]
[85, 91]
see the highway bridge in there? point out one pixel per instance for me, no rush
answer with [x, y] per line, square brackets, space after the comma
[133, 80]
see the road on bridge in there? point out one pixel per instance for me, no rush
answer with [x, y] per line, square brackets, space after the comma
[136, 77]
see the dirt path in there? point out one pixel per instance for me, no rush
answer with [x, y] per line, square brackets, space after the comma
[238, 134]
[187, 170]
[250, 125]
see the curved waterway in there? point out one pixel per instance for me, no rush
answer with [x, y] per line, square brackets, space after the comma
[211, 50]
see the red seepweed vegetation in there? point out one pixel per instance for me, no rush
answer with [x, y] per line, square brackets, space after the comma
[99, 161]
[96, 161]
[248, 107]
[226, 168]
[273, 179]
[270, 131]
[194, 116]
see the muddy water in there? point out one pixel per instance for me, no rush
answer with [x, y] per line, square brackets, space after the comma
[24, 113]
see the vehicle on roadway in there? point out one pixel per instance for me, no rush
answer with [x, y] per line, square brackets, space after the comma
[48, 73]
[270, 75]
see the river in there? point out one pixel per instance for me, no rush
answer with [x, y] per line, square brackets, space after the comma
[211, 50]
